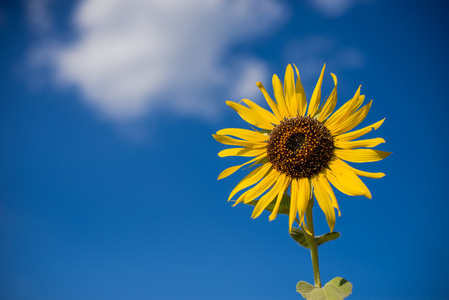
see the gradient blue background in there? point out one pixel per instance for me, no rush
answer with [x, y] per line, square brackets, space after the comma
[95, 208]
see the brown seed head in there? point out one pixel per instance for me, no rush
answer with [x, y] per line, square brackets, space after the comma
[300, 147]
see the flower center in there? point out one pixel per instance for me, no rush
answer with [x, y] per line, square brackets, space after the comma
[300, 147]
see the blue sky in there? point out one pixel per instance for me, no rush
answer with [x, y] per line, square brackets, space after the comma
[109, 169]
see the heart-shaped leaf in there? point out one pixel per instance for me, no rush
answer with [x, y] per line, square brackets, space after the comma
[336, 289]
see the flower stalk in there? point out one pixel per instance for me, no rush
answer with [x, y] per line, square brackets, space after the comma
[312, 243]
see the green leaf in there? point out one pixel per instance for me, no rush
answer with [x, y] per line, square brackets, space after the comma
[343, 286]
[305, 289]
[330, 236]
[284, 207]
[298, 235]
[336, 289]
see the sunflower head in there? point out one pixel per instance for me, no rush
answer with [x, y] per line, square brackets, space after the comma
[299, 149]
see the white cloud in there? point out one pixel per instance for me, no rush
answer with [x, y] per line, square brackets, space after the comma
[130, 56]
[246, 81]
[334, 8]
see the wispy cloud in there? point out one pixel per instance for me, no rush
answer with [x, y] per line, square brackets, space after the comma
[38, 15]
[131, 56]
[335, 8]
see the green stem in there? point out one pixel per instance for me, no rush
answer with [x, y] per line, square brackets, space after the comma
[312, 243]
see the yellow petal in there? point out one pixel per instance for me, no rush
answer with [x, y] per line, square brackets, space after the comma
[252, 178]
[267, 181]
[269, 196]
[369, 143]
[264, 201]
[343, 112]
[326, 185]
[368, 174]
[361, 155]
[301, 193]
[233, 169]
[293, 202]
[250, 116]
[355, 103]
[273, 105]
[245, 152]
[346, 181]
[351, 121]
[279, 95]
[358, 103]
[331, 102]
[281, 192]
[300, 95]
[305, 193]
[290, 93]
[235, 142]
[245, 134]
[262, 111]
[324, 200]
[352, 105]
[316, 96]
[362, 173]
[349, 136]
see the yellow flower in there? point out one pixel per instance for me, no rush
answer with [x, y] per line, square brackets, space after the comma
[300, 148]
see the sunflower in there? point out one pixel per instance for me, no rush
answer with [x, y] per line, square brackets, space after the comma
[300, 149]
